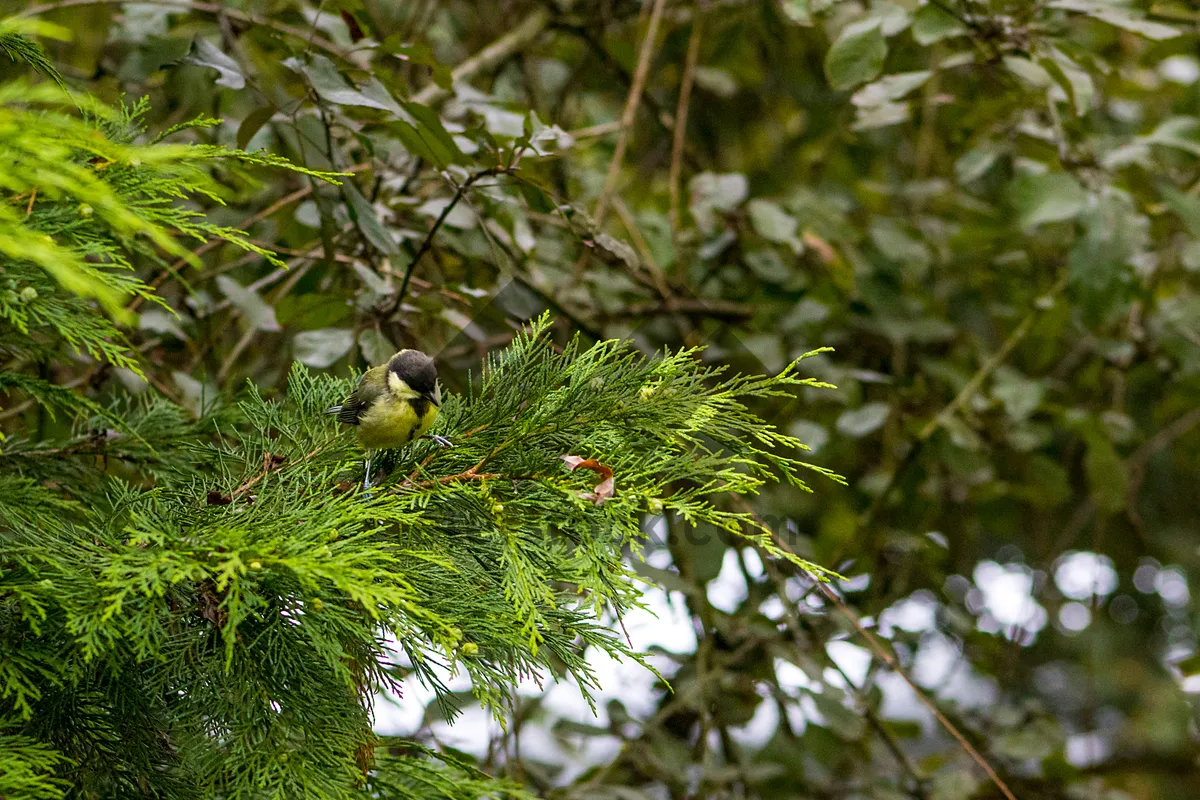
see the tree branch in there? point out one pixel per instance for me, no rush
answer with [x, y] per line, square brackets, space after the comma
[793, 623]
[645, 56]
[427, 243]
[960, 400]
[681, 117]
[887, 658]
[491, 56]
[1136, 465]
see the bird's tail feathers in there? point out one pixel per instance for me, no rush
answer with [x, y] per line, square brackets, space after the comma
[333, 410]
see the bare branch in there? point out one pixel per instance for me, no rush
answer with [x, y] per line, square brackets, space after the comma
[645, 57]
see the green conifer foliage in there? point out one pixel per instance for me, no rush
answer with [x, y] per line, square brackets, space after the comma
[203, 604]
[218, 623]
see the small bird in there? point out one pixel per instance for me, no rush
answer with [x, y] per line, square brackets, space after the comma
[393, 404]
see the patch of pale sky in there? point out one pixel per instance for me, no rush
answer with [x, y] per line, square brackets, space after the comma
[1082, 575]
[761, 727]
[854, 661]
[728, 590]
[1007, 597]
[1005, 594]
[915, 613]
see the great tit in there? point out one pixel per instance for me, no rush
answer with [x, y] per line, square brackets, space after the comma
[393, 404]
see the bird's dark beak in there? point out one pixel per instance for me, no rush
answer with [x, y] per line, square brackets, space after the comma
[434, 397]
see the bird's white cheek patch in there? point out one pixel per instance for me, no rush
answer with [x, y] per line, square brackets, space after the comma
[398, 387]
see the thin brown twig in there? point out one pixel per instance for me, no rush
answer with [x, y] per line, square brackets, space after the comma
[1164, 437]
[643, 247]
[429, 458]
[891, 661]
[721, 309]
[877, 647]
[989, 366]
[889, 740]
[681, 118]
[1136, 464]
[427, 243]
[469, 475]
[584, 34]
[268, 468]
[207, 8]
[231, 359]
[493, 55]
[793, 624]
[645, 57]
[927, 137]
[461, 477]
[603, 129]
[960, 400]
[286, 200]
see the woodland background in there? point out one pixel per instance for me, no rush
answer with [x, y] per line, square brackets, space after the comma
[990, 210]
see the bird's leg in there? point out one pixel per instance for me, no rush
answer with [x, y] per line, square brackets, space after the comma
[441, 441]
[367, 476]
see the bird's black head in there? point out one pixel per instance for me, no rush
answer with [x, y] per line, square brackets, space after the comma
[417, 370]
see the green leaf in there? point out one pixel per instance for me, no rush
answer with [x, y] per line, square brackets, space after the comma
[206, 54]
[1189, 666]
[313, 311]
[252, 124]
[1052, 197]
[889, 87]
[932, 24]
[1186, 206]
[767, 265]
[1189, 256]
[422, 54]
[841, 720]
[440, 142]
[1029, 71]
[1119, 17]
[896, 244]
[257, 313]
[974, 164]
[774, 224]
[712, 192]
[798, 11]
[375, 91]
[375, 347]
[1075, 83]
[1100, 263]
[1105, 471]
[1033, 741]
[1020, 395]
[414, 143]
[363, 213]
[859, 422]
[161, 321]
[882, 115]
[321, 348]
[1182, 133]
[954, 784]
[856, 57]
[372, 281]
[331, 87]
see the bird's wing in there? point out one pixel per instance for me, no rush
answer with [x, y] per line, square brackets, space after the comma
[351, 411]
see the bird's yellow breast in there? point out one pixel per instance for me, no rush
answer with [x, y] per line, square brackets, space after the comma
[393, 422]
